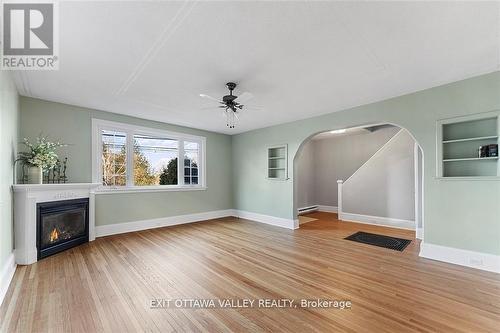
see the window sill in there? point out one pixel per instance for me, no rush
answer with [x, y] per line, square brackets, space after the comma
[142, 189]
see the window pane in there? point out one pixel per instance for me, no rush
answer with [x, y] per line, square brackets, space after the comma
[191, 162]
[155, 160]
[114, 158]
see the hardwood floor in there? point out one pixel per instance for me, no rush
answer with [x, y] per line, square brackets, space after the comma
[108, 285]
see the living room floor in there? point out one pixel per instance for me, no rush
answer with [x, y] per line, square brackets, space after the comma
[109, 284]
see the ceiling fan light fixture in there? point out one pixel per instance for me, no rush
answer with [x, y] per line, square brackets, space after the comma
[230, 104]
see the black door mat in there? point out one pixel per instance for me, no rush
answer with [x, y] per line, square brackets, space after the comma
[392, 243]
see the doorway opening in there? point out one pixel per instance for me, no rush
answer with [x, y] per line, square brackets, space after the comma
[368, 174]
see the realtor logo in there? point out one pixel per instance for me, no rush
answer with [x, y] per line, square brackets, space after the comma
[29, 39]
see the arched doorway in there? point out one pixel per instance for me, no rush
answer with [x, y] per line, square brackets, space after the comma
[388, 135]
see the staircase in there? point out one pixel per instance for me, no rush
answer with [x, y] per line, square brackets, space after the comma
[382, 190]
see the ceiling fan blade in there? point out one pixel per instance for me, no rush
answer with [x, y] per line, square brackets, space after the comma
[210, 97]
[245, 97]
[209, 107]
[253, 107]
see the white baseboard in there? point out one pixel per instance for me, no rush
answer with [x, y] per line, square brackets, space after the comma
[419, 233]
[6, 275]
[329, 209]
[377, 220]
[484, 261]
[119, 228]
[267, 219]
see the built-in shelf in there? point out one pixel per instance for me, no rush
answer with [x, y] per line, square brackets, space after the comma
[471, 178]
[277, 163]
[470, 159]
[462, 140]
[479, 138]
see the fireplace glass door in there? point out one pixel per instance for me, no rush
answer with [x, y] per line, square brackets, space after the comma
[61, 225]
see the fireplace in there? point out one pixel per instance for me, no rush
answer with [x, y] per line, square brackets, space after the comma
[61, 225]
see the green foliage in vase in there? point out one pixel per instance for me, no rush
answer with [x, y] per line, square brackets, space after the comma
[42, 153]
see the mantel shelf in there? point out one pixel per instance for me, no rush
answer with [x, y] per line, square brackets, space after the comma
[50, 187]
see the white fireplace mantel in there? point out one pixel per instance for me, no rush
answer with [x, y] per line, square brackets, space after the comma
[26, 197]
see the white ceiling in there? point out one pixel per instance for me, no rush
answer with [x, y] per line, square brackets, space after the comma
[299, 59]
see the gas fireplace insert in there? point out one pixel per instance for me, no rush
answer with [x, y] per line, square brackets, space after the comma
[61, 225]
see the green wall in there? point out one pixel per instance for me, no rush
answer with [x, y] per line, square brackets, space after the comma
[9, 114]
[72, 125]
[463, 214]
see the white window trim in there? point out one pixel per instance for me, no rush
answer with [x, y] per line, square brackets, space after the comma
[98, 125]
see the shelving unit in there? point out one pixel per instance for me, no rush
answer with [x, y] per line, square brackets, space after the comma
[471, 159]
[277, 162]
[480, 138]
[458, 145]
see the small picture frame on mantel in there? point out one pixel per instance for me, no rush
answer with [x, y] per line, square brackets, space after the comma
[277, 162]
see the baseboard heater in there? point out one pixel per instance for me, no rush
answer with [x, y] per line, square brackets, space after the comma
[307, 209]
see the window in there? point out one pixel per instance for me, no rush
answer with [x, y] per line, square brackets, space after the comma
[114, 158]
[155, 160]
[191, 162]
[126, 157]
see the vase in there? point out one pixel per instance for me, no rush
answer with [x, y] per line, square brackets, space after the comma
[35, 175]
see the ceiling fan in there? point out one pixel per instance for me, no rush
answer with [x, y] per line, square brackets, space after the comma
[231, 104]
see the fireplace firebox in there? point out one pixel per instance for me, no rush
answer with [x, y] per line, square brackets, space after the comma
[61, 225]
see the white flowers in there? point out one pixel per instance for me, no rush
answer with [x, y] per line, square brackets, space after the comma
[41, 154]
